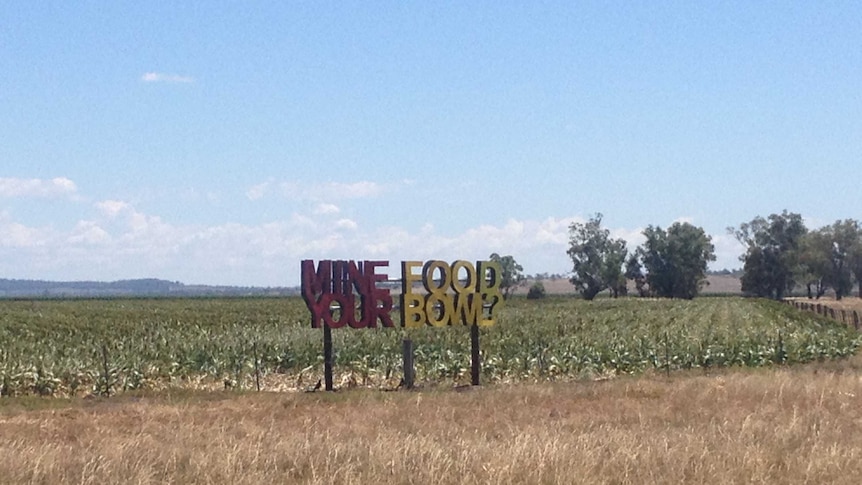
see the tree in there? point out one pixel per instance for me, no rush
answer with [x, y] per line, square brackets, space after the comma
[634, 272]
[844, 238]
[855, 257]
[512, 276]
[676, 260]
[597, 259]
[814, 263]
[536, 292]
[772, 254]
[612, 270]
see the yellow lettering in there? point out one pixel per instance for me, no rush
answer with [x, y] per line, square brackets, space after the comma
[408, 278]
[469, 279]
[468, 308]
[428, 276]
[412, 310]
[438, 309]
[490, 276]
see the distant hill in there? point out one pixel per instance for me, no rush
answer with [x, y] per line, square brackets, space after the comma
[719, 283]
[129, 288]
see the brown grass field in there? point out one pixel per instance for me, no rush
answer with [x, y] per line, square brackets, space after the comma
[847, 303]
[779, 425]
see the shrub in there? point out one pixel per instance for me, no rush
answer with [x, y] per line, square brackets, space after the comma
[536, 291]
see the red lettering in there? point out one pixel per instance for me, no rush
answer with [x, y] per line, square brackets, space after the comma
[330, 293]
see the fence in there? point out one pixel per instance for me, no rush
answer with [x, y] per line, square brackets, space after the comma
[847, 317]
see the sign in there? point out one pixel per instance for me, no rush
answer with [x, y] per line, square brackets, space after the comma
[330, 293]
[449, 299]
[346, 293]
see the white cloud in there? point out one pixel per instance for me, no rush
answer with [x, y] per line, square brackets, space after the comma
[355, 190]
[160, 77]
[120, 241]
[346, 224]
[555, 231]
[45, 188]
[88, 232]
[258, 191]
[322, 193]
[112, 208]
[632, 237]
[17, 235]
[332, 190]
[727, 252]
[322, 209]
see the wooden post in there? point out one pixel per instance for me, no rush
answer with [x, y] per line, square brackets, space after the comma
[855, 320]
[476, 364]
[256, 366]
[666, 355]
[407, 357]
[105, 391]
[327, 356]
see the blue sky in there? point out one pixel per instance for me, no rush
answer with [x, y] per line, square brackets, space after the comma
[223, 142]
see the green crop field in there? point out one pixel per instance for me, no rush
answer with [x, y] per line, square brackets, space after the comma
[78, 347]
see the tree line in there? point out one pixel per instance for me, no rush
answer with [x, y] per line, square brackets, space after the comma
[781, 255]
[671, 263]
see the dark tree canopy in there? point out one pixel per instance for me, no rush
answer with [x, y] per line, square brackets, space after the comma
[597, 259]
[814, 263]
[512, 276]
[770, 263]
[829, 258]
[845, 238]
[782, 253]
[634, 272]
[675, 260]
[855, 258]
[536, 291]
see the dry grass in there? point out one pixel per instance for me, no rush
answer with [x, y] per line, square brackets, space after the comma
[767, 426]
[846, 303]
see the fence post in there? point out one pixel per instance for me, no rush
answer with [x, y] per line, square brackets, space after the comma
[666, 355]
[106, 372]
[327, 357]
[855, 320]
[407, 357]
[475, 362]
[256, 366]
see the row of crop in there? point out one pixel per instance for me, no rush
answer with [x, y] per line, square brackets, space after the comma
[63, 348]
